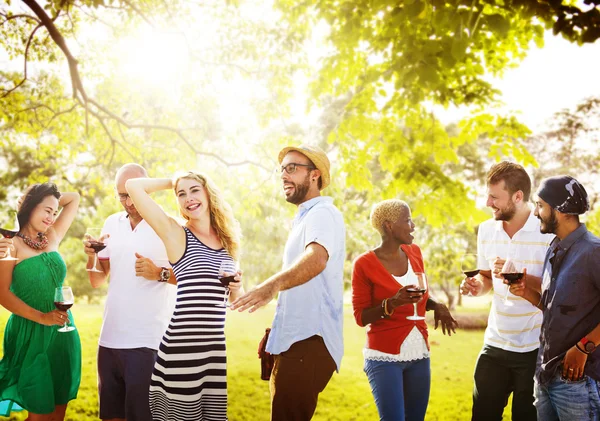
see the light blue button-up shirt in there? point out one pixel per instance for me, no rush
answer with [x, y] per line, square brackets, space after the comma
[315, 307]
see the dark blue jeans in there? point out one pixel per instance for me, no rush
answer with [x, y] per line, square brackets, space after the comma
[400, 389]
[564, 400]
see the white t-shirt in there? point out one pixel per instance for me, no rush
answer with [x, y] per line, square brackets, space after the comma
[513, 325]
[137, 310]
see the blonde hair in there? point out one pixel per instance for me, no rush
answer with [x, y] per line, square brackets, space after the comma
[221, 214]
[387, 210]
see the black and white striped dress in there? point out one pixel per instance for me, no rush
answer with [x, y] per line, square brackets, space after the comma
[189, 381]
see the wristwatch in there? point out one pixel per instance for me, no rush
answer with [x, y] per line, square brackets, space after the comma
[588, 345]
[165, 274]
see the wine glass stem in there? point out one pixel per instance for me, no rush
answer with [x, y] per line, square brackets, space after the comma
[226, 296]
[96, 261]
[415, 306]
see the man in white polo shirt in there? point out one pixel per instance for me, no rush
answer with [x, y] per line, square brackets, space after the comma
[139, 305]
[507, 361]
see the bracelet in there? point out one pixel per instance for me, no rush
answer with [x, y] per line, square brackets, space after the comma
[581, 350]
[386, 313]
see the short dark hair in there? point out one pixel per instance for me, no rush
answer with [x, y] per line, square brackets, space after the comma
[314, 167]
[33, 196]
[514, 175]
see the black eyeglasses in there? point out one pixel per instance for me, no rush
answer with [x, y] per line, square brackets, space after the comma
[292, 167]
[123, 197]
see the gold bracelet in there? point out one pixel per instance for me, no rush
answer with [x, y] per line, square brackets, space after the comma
[385, 310]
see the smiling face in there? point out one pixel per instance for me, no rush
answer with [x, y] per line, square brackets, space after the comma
[547, 216]
[302, 182]
[502, 202]
[192, 198]
[401, 230]
[44, 214]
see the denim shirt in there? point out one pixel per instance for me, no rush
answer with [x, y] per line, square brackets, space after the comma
[570, 301]
[315, 307]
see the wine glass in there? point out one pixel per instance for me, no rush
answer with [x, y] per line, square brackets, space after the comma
[468, 265]
[93, 235]
[422, 288]
[63, 300]
[227, 271]
[8, 234]
[511, 273]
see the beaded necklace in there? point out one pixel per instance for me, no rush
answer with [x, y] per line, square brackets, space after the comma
[40, 244]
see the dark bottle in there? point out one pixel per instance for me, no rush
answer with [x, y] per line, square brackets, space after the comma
[266, 359]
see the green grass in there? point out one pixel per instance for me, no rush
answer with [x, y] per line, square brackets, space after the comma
[347, 397]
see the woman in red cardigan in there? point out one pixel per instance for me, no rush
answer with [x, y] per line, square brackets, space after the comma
[397, 352]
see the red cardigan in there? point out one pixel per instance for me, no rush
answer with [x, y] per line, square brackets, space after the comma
[371, 284]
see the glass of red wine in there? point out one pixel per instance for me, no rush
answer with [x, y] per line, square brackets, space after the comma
[93, 235]
[511, 273]
[227, 271]
[63, 300]
[421, 287]
[8, 234]
[468, 265]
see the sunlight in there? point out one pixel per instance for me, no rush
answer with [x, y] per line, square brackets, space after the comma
[153, 58]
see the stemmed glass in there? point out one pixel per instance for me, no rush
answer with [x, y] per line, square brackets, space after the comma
[511, 273]
[93, 235]
[8, 234]
[468, 265]
[227, 271]
[63, 300]
[422, 288]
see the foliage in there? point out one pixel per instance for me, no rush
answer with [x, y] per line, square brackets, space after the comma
[347, 396]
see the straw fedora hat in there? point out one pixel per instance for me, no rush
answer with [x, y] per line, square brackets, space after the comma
[316, 155]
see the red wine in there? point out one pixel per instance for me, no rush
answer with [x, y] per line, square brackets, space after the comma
[97, 246]
[226, 280]
[62, 306]
[471, 273]
[7, 233]
[421, 290]
[512, 277]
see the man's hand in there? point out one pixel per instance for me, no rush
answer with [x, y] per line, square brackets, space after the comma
[146, 268]
[573, 364]
[442, 315]
[86, 243]
[496, 266]
[471, 286]
[6, 245]
[257, 297]
[519, 287]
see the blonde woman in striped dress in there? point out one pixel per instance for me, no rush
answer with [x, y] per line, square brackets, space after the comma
[189, 381]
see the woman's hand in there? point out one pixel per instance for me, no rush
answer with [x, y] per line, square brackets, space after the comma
[442, 315]
[6, 245]
[236, 284]
[54, 317]
[404, 296]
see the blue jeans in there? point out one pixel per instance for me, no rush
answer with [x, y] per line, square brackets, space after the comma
[564, 400]
[400, 389]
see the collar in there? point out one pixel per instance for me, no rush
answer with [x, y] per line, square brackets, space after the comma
[304, 207]
[531, 224]
[572, 238]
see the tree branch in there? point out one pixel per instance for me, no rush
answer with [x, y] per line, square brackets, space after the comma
[7, 18]
[6, 93]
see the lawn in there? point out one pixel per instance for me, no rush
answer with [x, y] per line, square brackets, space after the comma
[347, 396]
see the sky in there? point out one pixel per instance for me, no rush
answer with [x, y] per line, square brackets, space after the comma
[552, 78]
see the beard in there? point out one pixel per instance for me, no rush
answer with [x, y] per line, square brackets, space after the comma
[507, 213]
[550, 225]
[300, 191]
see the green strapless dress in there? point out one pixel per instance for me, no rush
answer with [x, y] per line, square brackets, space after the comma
[41, 367]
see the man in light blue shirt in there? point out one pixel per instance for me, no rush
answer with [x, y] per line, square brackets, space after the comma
[306, 337]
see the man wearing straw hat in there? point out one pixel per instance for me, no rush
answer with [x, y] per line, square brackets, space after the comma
[567, 376]
[306, 337]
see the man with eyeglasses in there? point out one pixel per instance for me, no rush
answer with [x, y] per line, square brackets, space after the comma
[139, 305]
[306, 336]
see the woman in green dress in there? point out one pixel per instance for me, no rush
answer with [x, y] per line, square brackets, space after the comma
[41, 367]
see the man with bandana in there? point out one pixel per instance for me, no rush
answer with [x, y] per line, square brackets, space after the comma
[567, 377]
